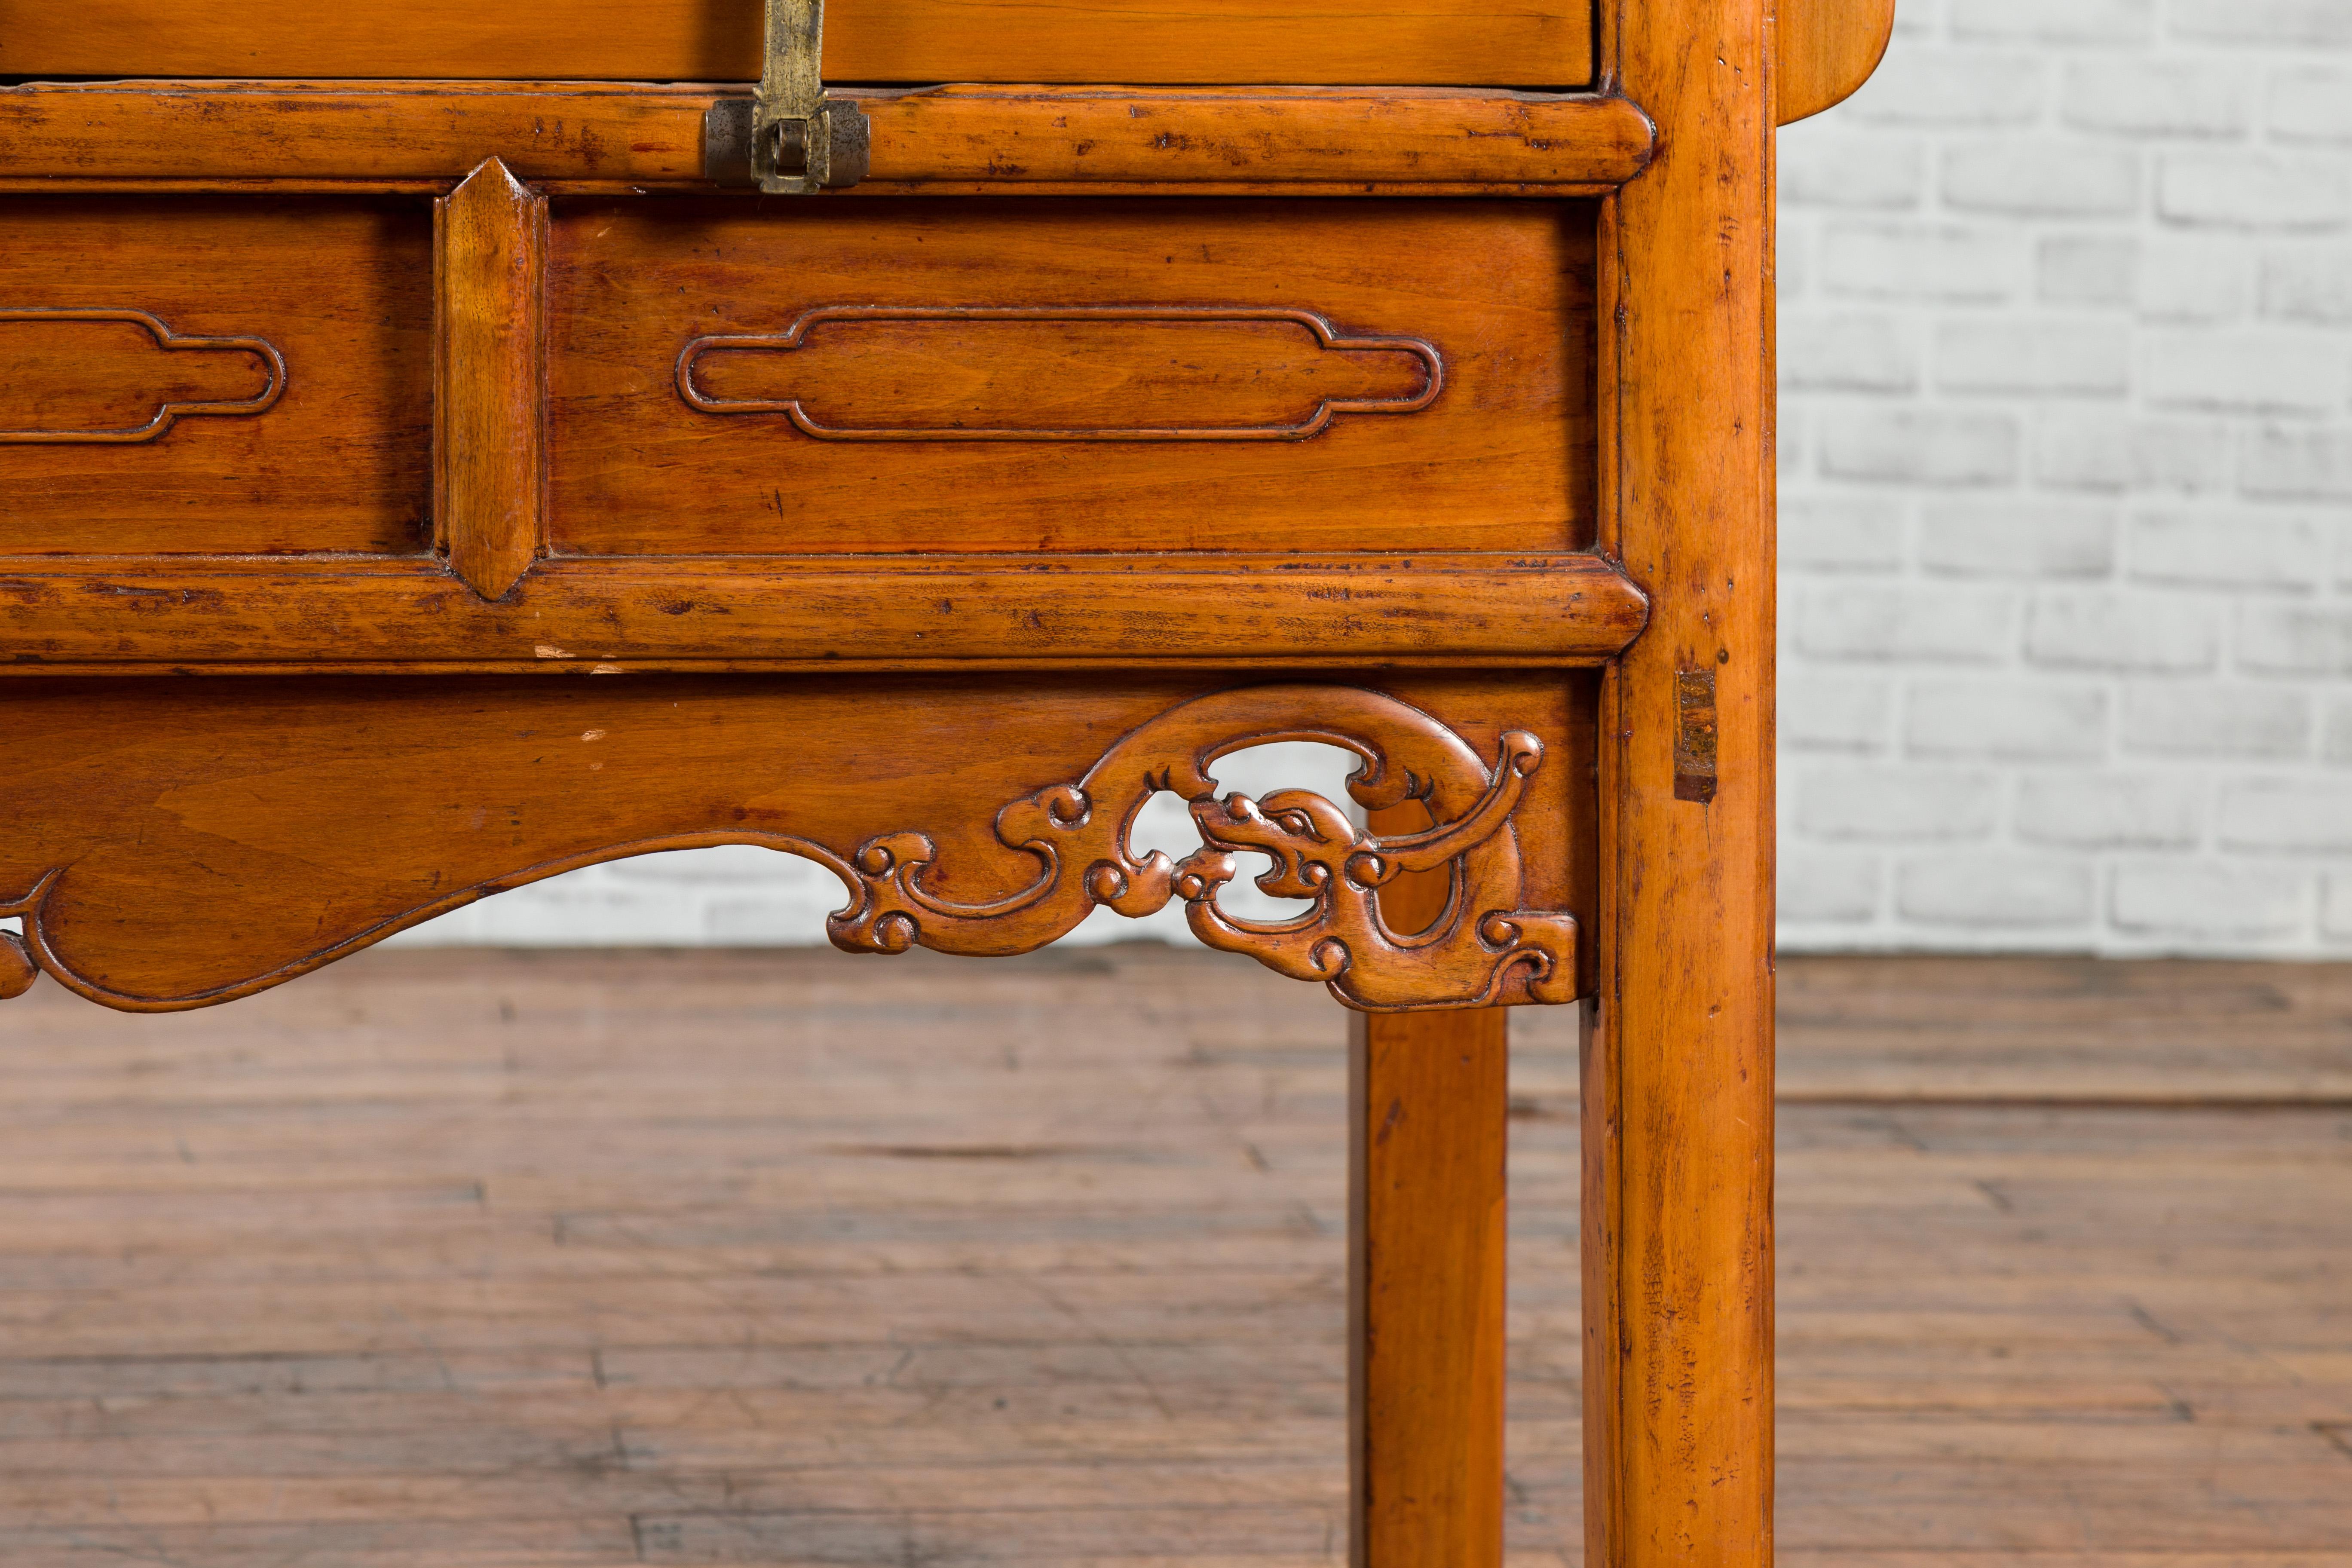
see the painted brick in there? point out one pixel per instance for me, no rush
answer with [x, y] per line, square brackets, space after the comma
[1957, 88]
[583, 908]
[1848, 352]
[788, 920]
[1828, 885]
[2256, 191]
[1918, 262]
[1842, 534]
[2108, 449]
[2311, 106]
[2295, 462]
[730, 865]
[1792, 263]
[1945, 625]
[2309, 283]
[2007, 720]
[2225, 721]
[2326, 23]
[2238, 548]
[1834, 168]
[1920, 446]
[2026, 355]
[2195, 280]
[1791, 440]
[2088, 269]
[2287, 815]
[2210, 902]
[2098, 629]
[2150, 97]
[2294, 639]
[1897, 804]
[2017, 539]
[1826, 712]
[2085, 810]
[2055, 21]
[2042, 177]
[2336, 727]
[2007, 891]
[2335, 905]
[2248, 371]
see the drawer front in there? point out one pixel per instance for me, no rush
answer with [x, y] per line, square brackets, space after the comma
[183, 375]
[988, 375]
[1341, 41]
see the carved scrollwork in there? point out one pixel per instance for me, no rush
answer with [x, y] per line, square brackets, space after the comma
[18, 965]
[16, 971]
[1483, 950]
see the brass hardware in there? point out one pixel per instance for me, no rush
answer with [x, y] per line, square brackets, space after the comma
[788, 139]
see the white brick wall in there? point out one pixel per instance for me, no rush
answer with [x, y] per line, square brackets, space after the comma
[742, 896]
[2066, 337]
[2067, 506]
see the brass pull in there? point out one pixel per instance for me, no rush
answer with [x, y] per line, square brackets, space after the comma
[788, 137]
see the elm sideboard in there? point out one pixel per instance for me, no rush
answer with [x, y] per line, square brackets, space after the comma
[442, 447]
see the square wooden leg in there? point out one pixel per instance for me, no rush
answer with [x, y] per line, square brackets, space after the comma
[1428, 1119]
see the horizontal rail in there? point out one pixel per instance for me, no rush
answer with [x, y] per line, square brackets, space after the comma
[969, 139]
[893, 611]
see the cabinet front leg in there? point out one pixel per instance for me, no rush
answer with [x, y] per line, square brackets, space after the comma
[1428, 1119]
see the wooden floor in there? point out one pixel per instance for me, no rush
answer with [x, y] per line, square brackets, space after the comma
[449, 1258]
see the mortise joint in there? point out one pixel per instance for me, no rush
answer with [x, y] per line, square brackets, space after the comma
[1694, 735]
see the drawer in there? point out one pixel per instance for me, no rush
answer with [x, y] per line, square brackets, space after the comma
[727, 376]
[1548, 43]
[1319, 386]
[730, 376]
[216, 375]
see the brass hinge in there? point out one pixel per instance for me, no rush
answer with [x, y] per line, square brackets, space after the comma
[788, 138]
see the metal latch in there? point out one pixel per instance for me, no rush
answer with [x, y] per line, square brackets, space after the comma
[788, 139]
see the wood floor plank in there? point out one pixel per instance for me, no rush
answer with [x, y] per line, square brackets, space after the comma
[569, 1260]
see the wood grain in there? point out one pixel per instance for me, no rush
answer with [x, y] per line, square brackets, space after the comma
[1401, 137]
[78, 378]
[308, 819]
[575, 615]
[1429, 1133]
[988, 139]
[339, 290]
[865, 41]
[1678, 1219]
[1487, 944]
[1826, 50]
[490, 470]
[489, 1255]
[1499, 461]
[1046, 373]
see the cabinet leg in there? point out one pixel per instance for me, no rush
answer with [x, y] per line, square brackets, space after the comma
[1428, 1119]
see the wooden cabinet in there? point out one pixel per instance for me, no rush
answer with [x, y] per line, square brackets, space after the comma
[427, 468]
[1146, 41]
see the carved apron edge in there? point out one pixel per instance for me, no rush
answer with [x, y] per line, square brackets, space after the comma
[1484, 950]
